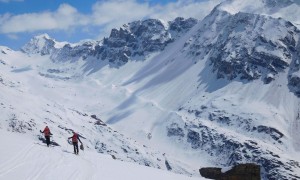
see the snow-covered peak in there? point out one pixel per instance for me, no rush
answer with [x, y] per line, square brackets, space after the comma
[3, 49]
[287, 9]
[42, 36]
[245, 45]
[41, 44]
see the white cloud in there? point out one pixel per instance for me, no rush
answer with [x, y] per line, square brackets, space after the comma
[186, 9]
[112, 14]
[119, 10]
[105, 14]
[115, 13]
[63, 18]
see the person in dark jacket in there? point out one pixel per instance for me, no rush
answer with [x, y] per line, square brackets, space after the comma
[47, 134]
[75, 139]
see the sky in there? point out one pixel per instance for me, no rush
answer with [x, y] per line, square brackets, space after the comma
[75, 20]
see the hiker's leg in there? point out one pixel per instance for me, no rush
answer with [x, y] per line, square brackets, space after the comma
[76, 148]
[74, 145]
[47, 140]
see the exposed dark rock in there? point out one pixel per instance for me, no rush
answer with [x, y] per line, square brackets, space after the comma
[54, 71]
[113, 156]
[242, 48]
[181, 25]
[234, 152]
[175, 130]
[136, 38]
[211, 172]
[2, 62]
[65, 128]
[98, 120]
[169, 168]
[239, 172]
[20, 126]
[194, 138]
[274, 133]
[269, 78]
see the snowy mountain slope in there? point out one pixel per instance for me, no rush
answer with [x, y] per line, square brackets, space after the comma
[23, 158]
[162, 82]
[221, 93]
[29, 101]
[246, 45]
[226, 119]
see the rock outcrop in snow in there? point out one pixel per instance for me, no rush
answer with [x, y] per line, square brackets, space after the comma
[241, 171]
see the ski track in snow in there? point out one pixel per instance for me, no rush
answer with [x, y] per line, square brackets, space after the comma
[45, 161]
[23, 158]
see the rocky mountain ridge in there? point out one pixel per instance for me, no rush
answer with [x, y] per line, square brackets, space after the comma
[137, 38]
[245, 53]
[245, 46]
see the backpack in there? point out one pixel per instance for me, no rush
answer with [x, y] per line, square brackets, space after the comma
[47, 132]
[75, 138]
[81, 147]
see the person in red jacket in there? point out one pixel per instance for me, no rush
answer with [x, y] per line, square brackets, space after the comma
[47, 134]
[75, 139]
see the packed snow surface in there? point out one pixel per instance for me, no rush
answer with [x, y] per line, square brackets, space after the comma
[23, 158]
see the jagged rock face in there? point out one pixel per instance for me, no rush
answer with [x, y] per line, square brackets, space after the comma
[231, 151]
[67, 52]
[245, 46]
[42, 44]
[181, 25]
[294, 73]
[248, 142]
[140, 38]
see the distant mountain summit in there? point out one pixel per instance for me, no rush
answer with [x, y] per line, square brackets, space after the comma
[137, 38]
[41, 44]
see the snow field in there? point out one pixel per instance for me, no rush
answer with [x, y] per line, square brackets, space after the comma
[24, 158]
